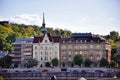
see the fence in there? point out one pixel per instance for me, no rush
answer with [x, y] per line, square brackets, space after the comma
[47, 75]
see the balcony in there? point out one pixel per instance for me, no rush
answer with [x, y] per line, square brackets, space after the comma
[17, 55]
[16, 59]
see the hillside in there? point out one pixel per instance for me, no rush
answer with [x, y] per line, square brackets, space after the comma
[9, 32]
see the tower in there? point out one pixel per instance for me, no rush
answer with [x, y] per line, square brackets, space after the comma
[43, 28]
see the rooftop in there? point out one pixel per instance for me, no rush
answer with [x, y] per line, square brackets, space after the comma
[2, 53]
[27, 40]
[82, 35]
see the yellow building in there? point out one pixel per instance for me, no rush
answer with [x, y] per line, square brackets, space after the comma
[90, 46]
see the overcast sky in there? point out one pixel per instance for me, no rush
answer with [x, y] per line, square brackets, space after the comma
[96, 16]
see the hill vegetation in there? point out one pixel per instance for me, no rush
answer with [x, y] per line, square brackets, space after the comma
[9, 32]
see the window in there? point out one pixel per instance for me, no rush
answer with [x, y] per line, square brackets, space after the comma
[69, 52]
[63, 52]
[36, 55]
[80, 52]
[45, 47]
[81, 41]
[91, 57]
[69, 56]
[98, 46]
[41, 47]
[46, 53]
[46, 41]
[85, 47]
[76, 52]
[76, 41]
[98, 57]
[91, 46]
[41, 59]
[23, 41]
[91, 41]
[70, 41]
[70, 59]
[55, 47]
[63, 47]
[64, 57]
[35, 47]
[46, 58]
[70, 46]
[50, 47]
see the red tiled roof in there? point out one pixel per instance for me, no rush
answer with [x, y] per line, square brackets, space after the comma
[88, 39]
[37, 39]
[58, 39]
[54, 39]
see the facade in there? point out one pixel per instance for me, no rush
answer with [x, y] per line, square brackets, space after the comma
[118, 53]
[45, 48]
[90, 46]
[22, 50]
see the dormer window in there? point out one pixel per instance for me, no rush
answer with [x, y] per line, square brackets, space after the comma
[70, 41]
[91, 41]
[81, 41]
[63, 41]
[23, 41]
[76, 41]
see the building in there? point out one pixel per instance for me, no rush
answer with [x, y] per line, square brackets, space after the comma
[118, 53]
[90, 46]
[45, 46]
[23, 50]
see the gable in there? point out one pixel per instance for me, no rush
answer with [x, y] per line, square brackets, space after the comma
[46, 39]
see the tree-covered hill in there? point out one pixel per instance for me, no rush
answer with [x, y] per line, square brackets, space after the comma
[9, 32]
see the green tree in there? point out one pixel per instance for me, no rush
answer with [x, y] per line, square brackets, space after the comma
[114, 35]
[78, 59]
[113, 63]
[87, 63]
[31, 63]
[103, 62]
[47, 64]
[57, 31]
[55, 62]
[6, 61]
[15, 65]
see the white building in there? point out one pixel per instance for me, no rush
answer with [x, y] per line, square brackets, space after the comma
[46, 48]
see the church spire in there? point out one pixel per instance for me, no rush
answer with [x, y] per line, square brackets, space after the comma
[43, 28]
[43, 24]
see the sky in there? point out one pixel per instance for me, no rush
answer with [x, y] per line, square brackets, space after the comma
[81, 16]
